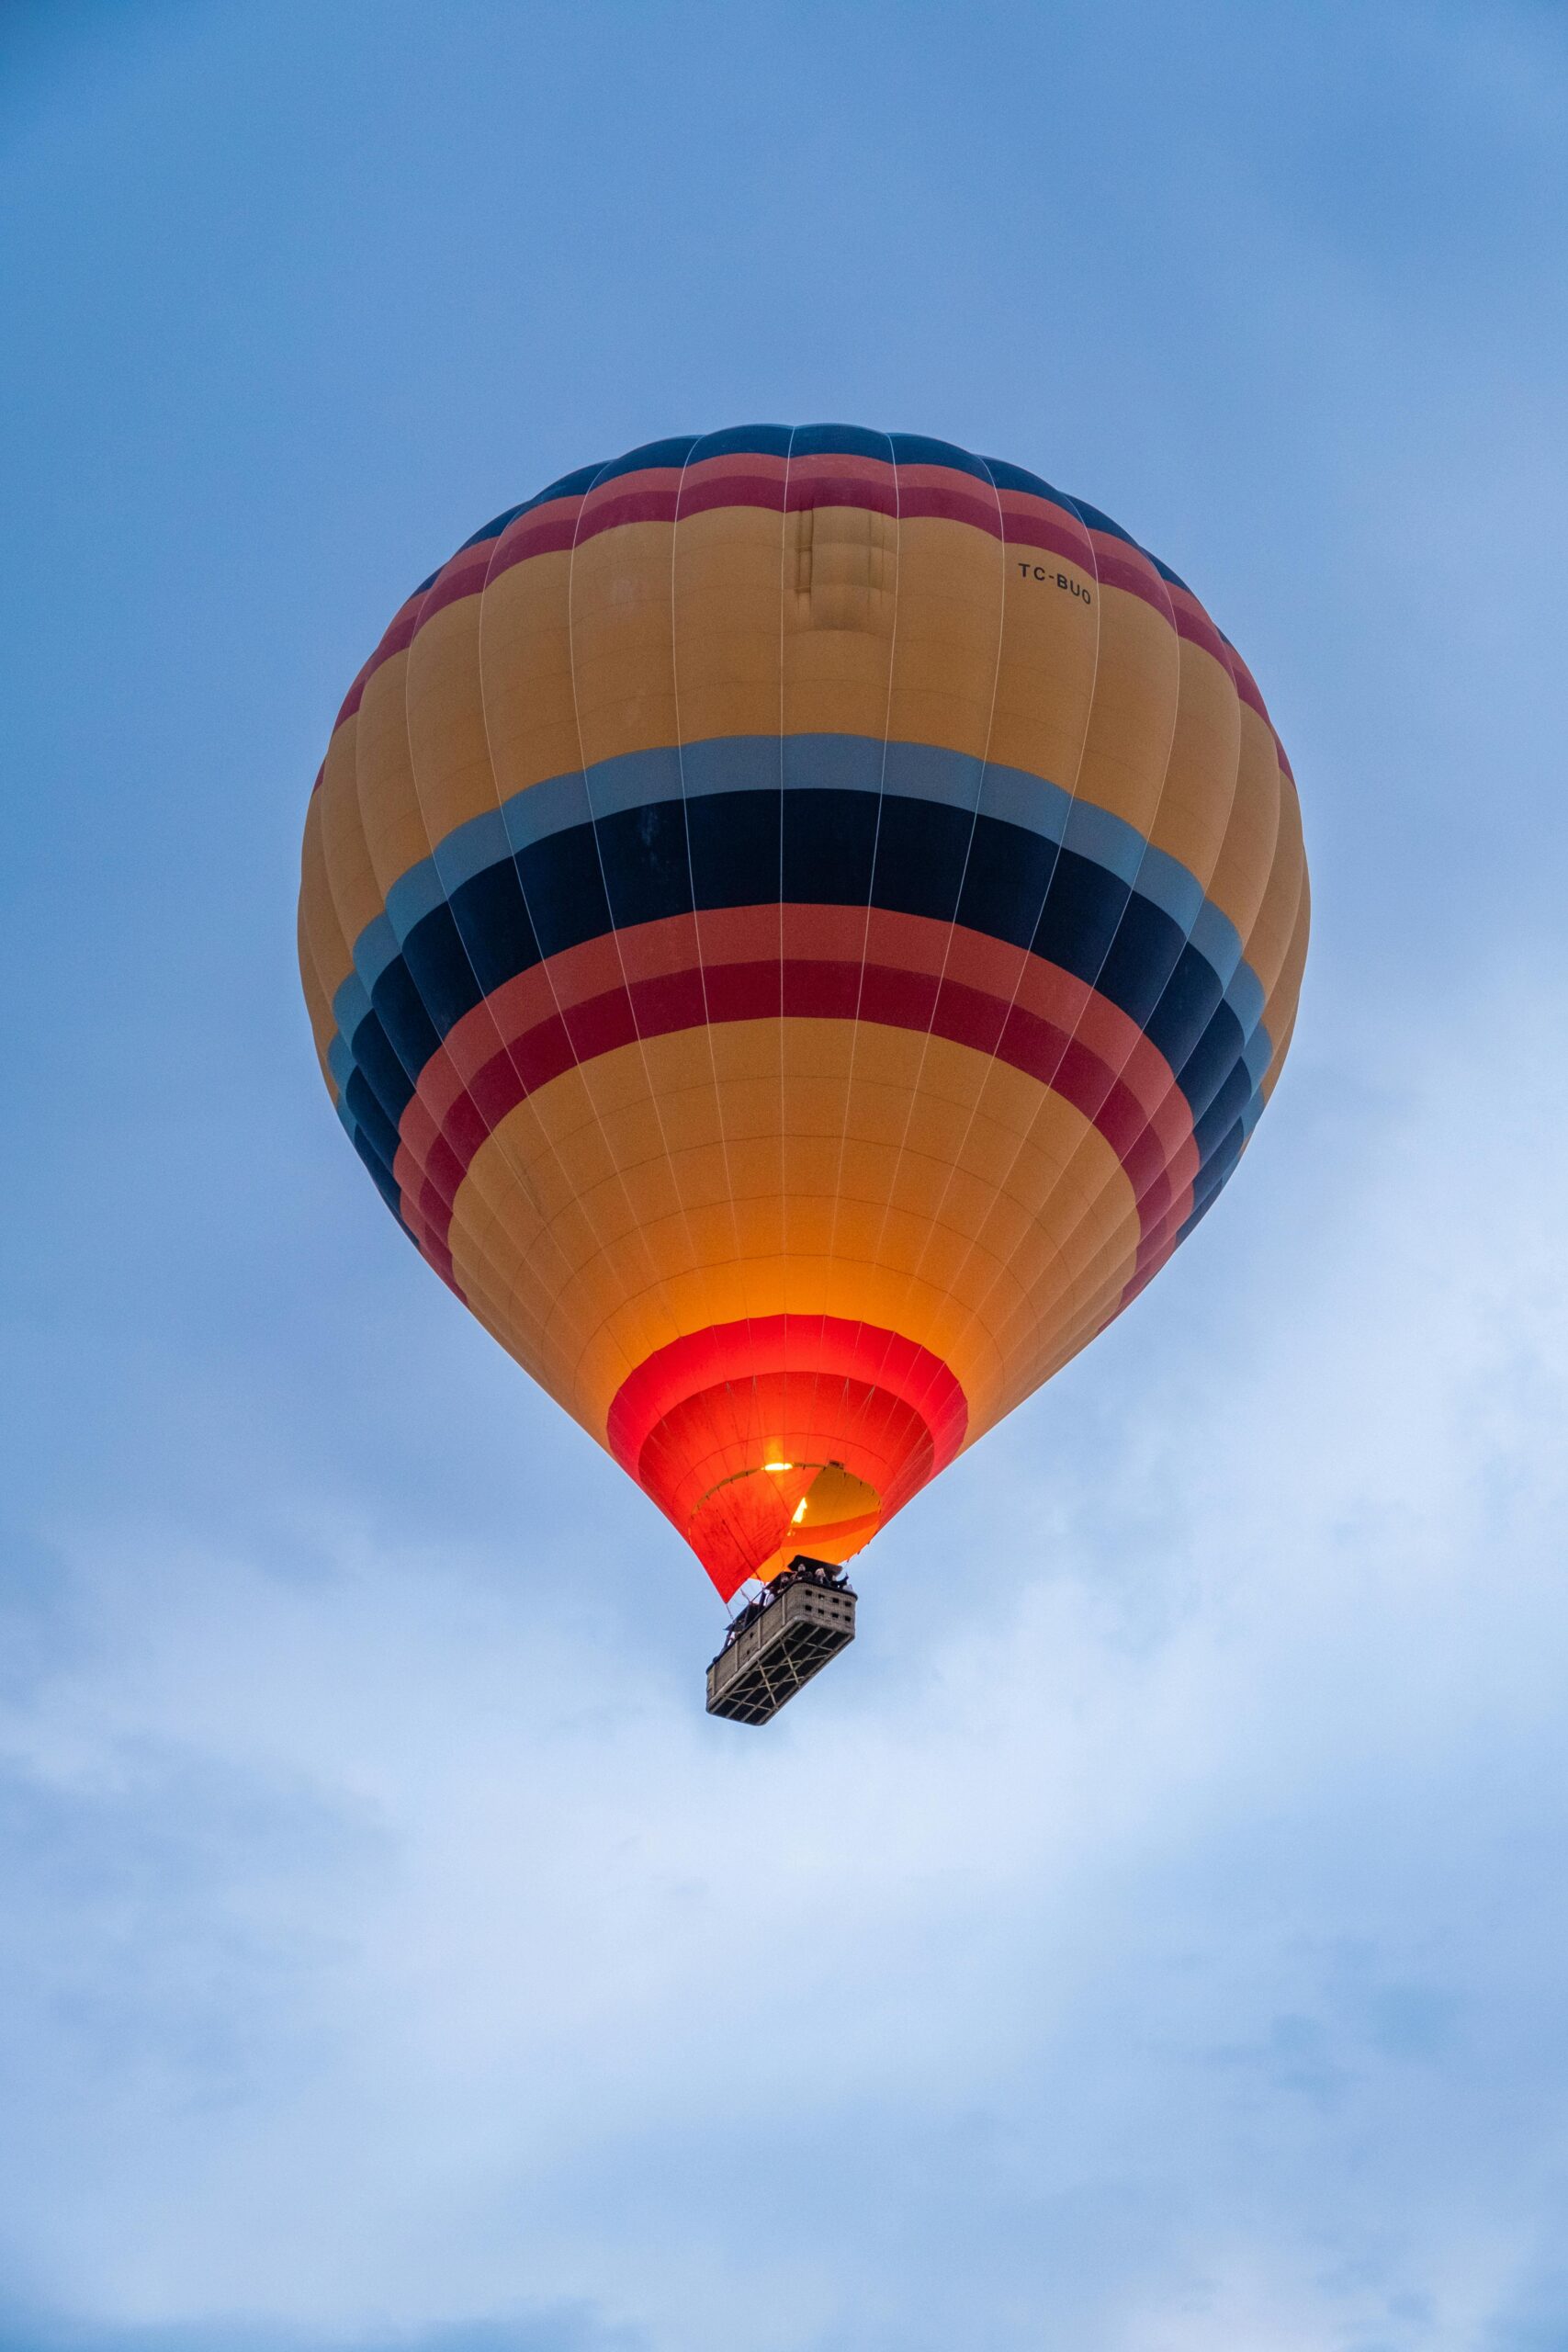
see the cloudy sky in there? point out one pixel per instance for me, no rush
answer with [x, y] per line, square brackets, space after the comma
[1152, 1939]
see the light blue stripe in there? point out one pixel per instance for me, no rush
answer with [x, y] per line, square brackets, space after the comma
[1106, 839]
[922, 772]
[468, 850]
[633, 781]
[377, 946]
[421, 889]
[801, 762]
[1018, 798]
[553, 806]
[733, 763]
[1245, 998]
[1259, 1054]
[1217, 940]
[832, 763]
[350, 1006]
[1178, 893]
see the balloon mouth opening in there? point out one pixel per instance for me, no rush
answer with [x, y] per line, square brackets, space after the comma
[844, 1455]
[786, 1434]
[757, 1521]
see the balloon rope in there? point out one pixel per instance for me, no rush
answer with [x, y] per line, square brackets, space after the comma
[660, 1282]
[443, 865]
[832, 1251]
[697, 938]
[507, 807]
[340, 788]
[975, 1315]
[935, 1219]
[1110, 1248]
[914, 1091]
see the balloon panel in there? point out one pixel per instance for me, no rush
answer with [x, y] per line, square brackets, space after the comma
[798, 925]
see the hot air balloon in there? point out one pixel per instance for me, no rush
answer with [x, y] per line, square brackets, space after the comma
[798, 925]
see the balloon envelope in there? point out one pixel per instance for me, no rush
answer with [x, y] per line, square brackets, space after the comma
[798, 925]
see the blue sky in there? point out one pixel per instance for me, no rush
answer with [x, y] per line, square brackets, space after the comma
[1151, 1939]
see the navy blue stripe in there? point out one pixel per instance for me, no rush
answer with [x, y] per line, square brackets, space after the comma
[805, 441]
[917, 450]
[1214, 1177]
[1224, 1112]
[1008, 477]
[1097, 520]
[573, 485]
[360, 1101]
[744, 440]
[488, 531]
[673, 452]
[839, 441]
[381, 1175]
[376, 1059]
[821, 846]
[826, 847]
[373, 1138]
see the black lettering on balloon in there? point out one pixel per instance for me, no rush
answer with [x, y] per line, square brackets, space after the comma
[1057, 579]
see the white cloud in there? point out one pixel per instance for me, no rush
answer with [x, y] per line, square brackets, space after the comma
[1151, 1922]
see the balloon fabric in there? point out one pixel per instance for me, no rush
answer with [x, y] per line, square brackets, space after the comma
[798, 924]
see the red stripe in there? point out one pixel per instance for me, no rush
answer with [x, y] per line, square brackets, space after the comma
[644, 481]
[1051, 537]
[733, 490]
[1193, 623]
[728, 936]
[660, 493]
[739, 465]
[398, 634]
[1036, 521]
[954, 507]
[838, 465]
[808, 491]
[648, 505]
[543, 530]
[830, 1344]
[464, 576]
[429, 1243]
[694, 1423]
[1247, 687]
[1120, 565]
[818, 990]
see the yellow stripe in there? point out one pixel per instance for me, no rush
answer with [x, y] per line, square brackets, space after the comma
[1268, 942]
[726, 587]
[526, 666]
[391, 823]
[836, 620]
[448, 742]
[1195, 806]
[978, 1226]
